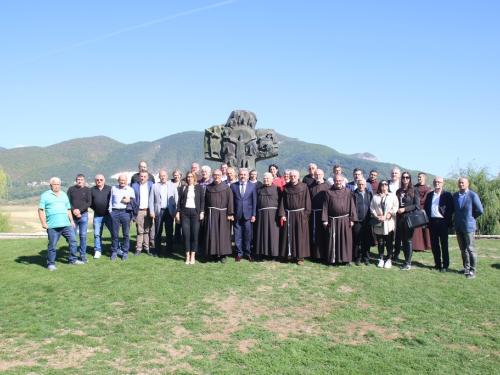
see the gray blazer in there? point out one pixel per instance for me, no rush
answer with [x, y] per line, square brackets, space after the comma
[155, 198]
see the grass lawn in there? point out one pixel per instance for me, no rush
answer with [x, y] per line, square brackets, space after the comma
[157, 316]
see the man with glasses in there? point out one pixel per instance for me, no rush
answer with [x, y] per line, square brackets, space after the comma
[439, 209]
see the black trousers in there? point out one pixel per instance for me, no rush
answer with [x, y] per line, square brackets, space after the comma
[166, 220]
[406, 235]
[361, 238]
[385, 242]
[190, 221]
[439, 233]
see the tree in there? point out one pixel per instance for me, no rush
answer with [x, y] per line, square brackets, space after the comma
[5, 225]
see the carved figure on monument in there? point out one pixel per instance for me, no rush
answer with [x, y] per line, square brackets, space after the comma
[237, 143]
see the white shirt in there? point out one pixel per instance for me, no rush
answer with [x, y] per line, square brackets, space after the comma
[393, 187]
[435, 205]
[117, 194]
[330, 181]
[190, 197]
[143, 191]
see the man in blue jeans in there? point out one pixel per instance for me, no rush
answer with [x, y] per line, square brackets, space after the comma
[54, 211]
[80, 200]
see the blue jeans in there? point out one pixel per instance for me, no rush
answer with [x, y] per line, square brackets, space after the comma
[54, 235]
[99, 223]
[120, 218]
[81, 225]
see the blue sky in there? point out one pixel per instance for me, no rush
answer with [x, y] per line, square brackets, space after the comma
[414, 83]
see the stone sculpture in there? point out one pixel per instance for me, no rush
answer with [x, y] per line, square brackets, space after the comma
[237, 143]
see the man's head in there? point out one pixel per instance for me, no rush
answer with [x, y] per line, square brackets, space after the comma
[99, 180]
[231, 174]
[361, 184]
[143, 177]
[294, 177]
[438, 183]
[143, 166]
[80, 180]
[421, 178]
[357, 173]
[267, 179]
[337, 170]
[195, 167]
[205, 172]
[312, 168]
[319, 176]
[243, 175]
[395, 174]
[223, 168]
[163, 176]
[338, 181]
[254, 175]
[217, 176]
[55, 184]
[122, 181]
[463, 184]
[373, 175]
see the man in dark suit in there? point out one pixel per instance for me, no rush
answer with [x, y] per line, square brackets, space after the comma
[245, 208]
[439, 208]
[467, 209]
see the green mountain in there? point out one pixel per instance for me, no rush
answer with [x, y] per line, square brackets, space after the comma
[104, 155]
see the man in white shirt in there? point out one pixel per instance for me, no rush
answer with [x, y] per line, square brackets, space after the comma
[395, 182]
[142, 215]
[337, 170]
[120, 208]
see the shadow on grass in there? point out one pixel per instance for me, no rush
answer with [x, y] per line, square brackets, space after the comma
[41, 258]
[496, 265]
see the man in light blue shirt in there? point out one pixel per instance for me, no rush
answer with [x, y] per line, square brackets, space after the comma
[54, 211]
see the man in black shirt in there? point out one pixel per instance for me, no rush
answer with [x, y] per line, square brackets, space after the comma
[100, 204]
[80, 200]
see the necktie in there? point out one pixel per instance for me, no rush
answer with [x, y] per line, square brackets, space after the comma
[242, 191]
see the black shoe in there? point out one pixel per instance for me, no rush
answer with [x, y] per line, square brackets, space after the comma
[358, 262]
[348, 264]
[464, 271]
[156, 255]
[443, 270]
[137, 253]
[367, 263]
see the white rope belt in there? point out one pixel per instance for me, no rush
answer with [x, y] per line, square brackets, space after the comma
[288, 227]
[268, 208]
[314, 223]
[210, 217]
[332, 229]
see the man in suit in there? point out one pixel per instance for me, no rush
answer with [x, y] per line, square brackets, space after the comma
[245, 211]
[141, 212]
[163, 200]
[467, 209]
[439, 208]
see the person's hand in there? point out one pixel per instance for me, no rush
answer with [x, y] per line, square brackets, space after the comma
[401, 210]
[283, 218]
[202, 215]
[152, 216]
[351, 223]
[76, 212]
[125, 200]
[73, 224]
[45, 226]
[230, 217]
[252, 220]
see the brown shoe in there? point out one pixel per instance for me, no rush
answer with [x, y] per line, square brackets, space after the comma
[300, 263]
[238, 259]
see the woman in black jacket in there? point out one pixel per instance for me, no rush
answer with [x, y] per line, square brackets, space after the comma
[190, 211]
[409, 200]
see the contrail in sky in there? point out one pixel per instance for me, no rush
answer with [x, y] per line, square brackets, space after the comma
[181, 14]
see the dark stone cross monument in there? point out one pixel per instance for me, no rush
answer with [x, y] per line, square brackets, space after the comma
[237, 143]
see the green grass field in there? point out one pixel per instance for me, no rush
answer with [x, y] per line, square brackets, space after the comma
[157, 316]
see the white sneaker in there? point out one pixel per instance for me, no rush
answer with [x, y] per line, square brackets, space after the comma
[380, 263]
[97, 255]
[52, 268]
[388, 264]
[77, 262]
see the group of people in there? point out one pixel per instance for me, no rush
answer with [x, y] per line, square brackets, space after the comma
[332, 220]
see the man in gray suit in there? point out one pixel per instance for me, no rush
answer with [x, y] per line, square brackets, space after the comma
[163, 200]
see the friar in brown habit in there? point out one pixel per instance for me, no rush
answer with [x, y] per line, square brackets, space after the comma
[339, 215]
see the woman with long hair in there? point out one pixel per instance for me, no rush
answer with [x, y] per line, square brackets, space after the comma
[384, 207]
[409, 200]
[190, 211]
[277, 179]
[179, 182]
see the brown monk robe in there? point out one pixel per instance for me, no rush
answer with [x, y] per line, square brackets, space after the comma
[218, 213]
[295, 209]
[340, 213]
[317, 231]
[267, 227]
[421, 236]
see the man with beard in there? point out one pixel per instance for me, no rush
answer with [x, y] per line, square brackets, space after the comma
[339, 215]
[318, 235]
[267, 232]
[294, 211]
[218, 215]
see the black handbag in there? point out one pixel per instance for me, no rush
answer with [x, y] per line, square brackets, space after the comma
[416, 219]
[375, 223]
